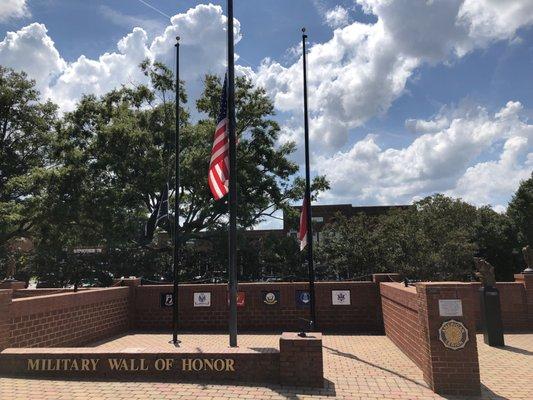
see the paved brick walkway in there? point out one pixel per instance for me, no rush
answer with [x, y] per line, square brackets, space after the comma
[356, 367]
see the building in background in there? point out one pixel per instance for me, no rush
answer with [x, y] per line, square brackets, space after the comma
[326, 214]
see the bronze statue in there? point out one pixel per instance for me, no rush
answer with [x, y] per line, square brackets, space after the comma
[485, 272]
[528, 258]
[10, 268]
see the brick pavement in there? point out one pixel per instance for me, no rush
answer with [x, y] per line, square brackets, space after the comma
[356, 367]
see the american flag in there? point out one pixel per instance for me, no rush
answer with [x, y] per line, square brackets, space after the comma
[219, 166]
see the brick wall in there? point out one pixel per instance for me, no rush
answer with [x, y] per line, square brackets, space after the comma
[401, 320]
[5, 317]
[23, 293]
[301, 360]
[71, 319]
[362, 315]
[412, 321]
[513, 301]
[527, 281]
[249, 365]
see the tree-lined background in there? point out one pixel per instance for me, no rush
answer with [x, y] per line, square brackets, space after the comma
[91, 177]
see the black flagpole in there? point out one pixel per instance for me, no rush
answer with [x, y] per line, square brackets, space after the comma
[308, 194]
[176, 195]
[232, 185]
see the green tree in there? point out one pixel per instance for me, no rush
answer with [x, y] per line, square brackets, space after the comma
[26, 129]
[520, 211]
[348, 248]
[432, 240]
[113, 154]
[494, 237]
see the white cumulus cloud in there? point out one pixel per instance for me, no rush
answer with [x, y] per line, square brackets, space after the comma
[337, 17]
[354, 76]
[11, 9]
[32, 50]
[364, 67]
[202, 31]
[446, 160]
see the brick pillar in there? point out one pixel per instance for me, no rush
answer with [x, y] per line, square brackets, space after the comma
[447, 371]
[132, 282]
[15, 285]
[301, 362]
[527, 280]
[5, 317]
[392, 277]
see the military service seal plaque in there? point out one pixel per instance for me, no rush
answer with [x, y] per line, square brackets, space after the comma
[453, 334]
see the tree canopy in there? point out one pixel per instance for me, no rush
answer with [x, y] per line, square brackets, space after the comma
[435, 239]
[106, 162]
[91, 178]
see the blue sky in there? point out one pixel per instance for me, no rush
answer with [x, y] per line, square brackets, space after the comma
[408, 97]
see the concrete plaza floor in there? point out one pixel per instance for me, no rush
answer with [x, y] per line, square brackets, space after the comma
[355, 367]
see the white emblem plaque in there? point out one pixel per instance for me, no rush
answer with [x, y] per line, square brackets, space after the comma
[340, 297]
[202, 299]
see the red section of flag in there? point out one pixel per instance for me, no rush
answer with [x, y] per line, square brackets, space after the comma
[219, 165]
[302, 233]
[218, 176]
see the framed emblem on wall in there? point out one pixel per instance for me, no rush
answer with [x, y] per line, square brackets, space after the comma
[241, 299]
[202, 299]
[303, 298]
[271, 297]
[340, 297]
[167, 300]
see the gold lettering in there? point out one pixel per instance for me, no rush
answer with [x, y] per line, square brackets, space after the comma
[114, 364]
[94, 363]
[143, 367]
[133, 366]
[49, 365]
[230, 364]
[159, 364]
[74, 366]
[208, 364]
[33, 365]
[220, 365]
[84, 364]
[169, 363]
[186, 364]
[123, 365]
[197, 366]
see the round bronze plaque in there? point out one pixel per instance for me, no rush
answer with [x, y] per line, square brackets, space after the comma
[453, 334]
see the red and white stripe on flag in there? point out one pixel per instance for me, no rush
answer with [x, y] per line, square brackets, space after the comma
[219, 165]
[302, 233]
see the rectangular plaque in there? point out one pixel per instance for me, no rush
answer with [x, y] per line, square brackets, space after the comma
[450, 308]
[202, 299]
[340, 297]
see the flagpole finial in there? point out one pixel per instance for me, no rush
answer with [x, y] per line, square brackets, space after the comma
[177, 40]
[303, 33]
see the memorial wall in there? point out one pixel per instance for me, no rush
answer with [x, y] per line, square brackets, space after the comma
[75, 319]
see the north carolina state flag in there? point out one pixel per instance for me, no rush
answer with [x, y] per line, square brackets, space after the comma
[302, 233]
